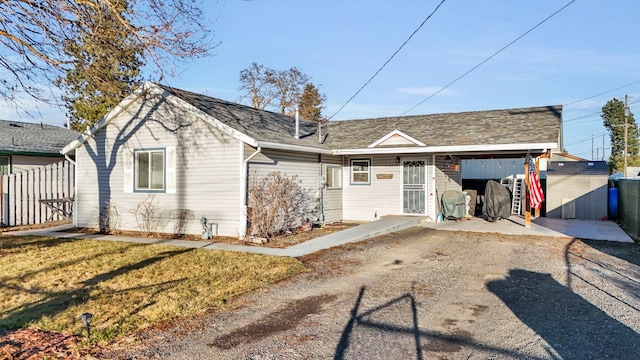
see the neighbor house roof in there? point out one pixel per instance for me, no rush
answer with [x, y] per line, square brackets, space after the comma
[33, 139]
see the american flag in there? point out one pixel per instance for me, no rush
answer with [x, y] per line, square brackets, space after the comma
[536, 195]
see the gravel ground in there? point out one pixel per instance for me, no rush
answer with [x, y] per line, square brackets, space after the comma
[428, 294]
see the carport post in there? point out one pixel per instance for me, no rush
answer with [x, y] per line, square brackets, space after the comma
[527, 207]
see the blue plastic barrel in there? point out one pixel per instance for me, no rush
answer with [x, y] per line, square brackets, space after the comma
[613, 203]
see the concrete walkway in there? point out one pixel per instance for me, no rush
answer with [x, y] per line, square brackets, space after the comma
[385, 225]
[582, 229]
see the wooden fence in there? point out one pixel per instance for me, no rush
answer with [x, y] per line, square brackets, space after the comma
[37, 195]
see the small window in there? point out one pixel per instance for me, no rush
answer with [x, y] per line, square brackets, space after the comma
[4, 165]
[149, 170]
[361, 172]
[334, 177]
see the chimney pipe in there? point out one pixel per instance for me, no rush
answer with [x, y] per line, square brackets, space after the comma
[320, 131]
[297, 135]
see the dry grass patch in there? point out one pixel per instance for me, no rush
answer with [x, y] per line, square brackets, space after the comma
[49, 282]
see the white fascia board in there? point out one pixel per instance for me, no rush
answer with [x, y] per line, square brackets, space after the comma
[213, 121]
[147, 87]
[278, 146]
[396, 132]
[448, 149]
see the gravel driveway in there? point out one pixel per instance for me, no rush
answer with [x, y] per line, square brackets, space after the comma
[428, 294]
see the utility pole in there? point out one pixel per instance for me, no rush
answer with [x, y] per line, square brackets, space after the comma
[626, 115]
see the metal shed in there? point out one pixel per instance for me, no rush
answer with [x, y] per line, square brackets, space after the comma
[577, 189]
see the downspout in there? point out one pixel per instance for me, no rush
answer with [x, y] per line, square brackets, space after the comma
[66, 157]
[245, 190]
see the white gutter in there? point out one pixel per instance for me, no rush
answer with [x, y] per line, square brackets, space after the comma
[446, 149]
[244, 189]
[272, 145]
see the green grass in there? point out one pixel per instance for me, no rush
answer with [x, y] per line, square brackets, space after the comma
[49, 282]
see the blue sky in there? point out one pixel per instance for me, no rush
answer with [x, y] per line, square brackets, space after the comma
[587, 49]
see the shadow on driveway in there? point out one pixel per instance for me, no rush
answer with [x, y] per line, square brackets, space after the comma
[572, 326]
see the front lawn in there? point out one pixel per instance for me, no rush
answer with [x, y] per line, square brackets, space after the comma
[48, 283]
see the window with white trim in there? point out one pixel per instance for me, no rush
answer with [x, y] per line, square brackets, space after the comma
[334, 177]
[150, 170]
[360, 171]
[4, 165]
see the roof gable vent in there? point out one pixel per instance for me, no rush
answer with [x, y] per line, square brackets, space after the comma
[397, 138]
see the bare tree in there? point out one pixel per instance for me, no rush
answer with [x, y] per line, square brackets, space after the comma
[289, 86]
[266, 87]
[33, 35]
[256, 82]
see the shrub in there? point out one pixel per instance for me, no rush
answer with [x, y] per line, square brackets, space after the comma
[277, 203]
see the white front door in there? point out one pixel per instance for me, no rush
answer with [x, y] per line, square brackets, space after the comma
[413, 187]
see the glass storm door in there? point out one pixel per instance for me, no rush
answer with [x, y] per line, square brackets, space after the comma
[413, 187]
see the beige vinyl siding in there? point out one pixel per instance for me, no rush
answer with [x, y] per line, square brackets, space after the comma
[447, 177]
[208, 164]
[306, 166]
[332, 198]
[21, 163]
[85, 208]
[384, 196]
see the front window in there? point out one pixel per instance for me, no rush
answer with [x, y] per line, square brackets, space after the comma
[150, 170]
[4, 165]
[334, 177]
[361, 172]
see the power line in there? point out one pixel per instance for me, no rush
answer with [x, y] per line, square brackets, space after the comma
[590, 115]
[489, 58]
[386, 62]
[585, 140]
[589, 134]
[602, 93]
[583, 117]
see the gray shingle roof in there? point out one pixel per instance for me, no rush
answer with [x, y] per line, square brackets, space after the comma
[33, 139]
[260, 125]
[511, 126]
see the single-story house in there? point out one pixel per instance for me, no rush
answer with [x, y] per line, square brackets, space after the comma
[200, 153]
[27, 145]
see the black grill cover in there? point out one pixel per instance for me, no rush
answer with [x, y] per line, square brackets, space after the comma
[497, 201]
